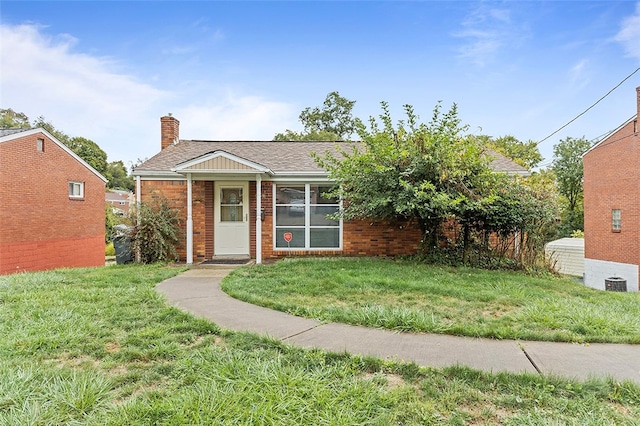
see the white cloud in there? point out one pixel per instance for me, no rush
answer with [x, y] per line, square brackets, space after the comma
[629, 34]
[80, 94]
[89, 96]
[234, 117]
[579, 74]
[486, 31]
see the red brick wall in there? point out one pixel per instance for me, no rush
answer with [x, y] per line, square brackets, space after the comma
[612, 181]
[360, 238]
[40, 226]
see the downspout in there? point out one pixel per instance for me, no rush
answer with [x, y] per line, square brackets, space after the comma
[258, 219]
[138, 203]
[189, 222]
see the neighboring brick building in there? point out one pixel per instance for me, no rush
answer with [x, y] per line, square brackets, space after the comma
[215, 184]
[119, 200]
[52, 209]
[612, 207]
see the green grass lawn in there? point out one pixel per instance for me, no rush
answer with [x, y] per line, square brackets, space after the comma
[415, 297]
[101, 347]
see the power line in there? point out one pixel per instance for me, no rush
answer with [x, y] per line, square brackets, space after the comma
[593, 142]
[594, 104]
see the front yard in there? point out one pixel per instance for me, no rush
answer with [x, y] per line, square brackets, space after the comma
[410, 296]
[101, 347]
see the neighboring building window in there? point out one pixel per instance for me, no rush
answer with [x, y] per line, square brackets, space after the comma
[76, 189]
[40, 145]
[301, 220]
[616, 220]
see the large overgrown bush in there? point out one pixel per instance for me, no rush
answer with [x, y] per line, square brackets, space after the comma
[156, 232]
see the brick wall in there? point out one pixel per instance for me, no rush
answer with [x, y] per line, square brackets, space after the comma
[40, 226]
[612, 181]
[360, 238]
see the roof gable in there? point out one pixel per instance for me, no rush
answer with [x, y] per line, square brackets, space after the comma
[220, 162]
[12, 134]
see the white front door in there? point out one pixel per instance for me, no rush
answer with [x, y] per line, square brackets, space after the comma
[231, 216]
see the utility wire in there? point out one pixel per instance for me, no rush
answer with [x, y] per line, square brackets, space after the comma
[594, 104]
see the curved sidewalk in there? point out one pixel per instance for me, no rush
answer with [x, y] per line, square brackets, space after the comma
[198, 291]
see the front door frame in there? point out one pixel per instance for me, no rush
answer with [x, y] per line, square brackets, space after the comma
[224, 230]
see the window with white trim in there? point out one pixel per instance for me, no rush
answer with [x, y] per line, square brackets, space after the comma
[302, 217]
[616, 220]
[76, 189]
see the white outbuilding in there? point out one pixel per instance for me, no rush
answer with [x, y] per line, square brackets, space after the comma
[566, 255]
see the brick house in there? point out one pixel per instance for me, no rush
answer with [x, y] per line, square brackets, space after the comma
[119, 200]
[262, 199]
[612, 206]
[52, 210]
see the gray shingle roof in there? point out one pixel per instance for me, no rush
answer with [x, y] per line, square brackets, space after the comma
[278, 156]
[7, 132]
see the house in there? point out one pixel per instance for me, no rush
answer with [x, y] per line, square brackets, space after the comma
[52, 210]
[262, 199]
[612, 206]
[119, 200]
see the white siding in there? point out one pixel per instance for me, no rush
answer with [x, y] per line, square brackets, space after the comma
[566, 255]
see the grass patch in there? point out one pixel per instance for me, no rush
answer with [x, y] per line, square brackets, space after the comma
[100, 346]
[409, 296]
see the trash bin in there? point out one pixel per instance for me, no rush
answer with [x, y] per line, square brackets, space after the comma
[122, 245]
[615, 284]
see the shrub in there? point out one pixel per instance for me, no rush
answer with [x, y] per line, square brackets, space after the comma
[109, 250]
[156, 232]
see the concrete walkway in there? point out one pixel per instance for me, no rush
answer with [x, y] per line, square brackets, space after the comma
[198, 291]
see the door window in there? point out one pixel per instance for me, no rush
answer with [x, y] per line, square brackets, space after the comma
[231, 208]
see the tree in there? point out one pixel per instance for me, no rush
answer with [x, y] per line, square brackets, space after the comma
[334, 121]
[9, 119]
[524, 153]
[90, 152]
[117, 176]
[416, 172]
[49, 127]
[568, 169]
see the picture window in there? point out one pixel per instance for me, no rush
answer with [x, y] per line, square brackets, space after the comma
[304, 218]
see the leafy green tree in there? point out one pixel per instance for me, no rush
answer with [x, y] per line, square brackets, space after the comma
[117, 176]
[9, 119]
[332, 121]
[526, 154]
[49, 127]
[568, 169]
[413, 171]
[90, 152]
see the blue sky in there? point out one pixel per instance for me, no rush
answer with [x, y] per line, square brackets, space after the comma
[244, 70]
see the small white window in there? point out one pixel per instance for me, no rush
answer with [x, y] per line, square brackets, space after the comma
[616, 220]
[76, 189]
[40, 145]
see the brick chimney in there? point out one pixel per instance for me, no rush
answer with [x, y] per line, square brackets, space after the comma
[169, 131]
